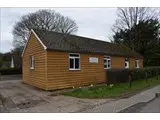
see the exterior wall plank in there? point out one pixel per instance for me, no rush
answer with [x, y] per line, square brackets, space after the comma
[59, 75]
[37, 76]
[117, 62]
[132, 63]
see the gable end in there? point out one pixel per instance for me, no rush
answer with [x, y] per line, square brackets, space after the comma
[32, 31]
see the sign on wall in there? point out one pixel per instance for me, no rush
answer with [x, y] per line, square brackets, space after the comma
[93, 60]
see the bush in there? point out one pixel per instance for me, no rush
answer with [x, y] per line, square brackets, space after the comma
[10, 71]
[152, 71]
[122, 75]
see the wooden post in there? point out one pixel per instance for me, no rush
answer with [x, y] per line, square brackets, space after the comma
[130, 81]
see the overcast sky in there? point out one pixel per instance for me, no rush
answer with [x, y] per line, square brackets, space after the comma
[92, 22]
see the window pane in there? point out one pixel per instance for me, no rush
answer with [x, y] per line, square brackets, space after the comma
[71, 63]
[107, 62]
[76, 63]
[136, 63]
[31, 61]
[74, 55]
[108, 65]
[105, 66]
[125, 64]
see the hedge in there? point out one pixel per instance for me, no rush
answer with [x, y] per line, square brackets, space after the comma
[122, 75]
[10, 71]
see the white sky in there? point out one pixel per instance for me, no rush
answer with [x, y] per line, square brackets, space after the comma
[92, 22]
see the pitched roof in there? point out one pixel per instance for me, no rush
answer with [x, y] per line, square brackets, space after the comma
[72, 43]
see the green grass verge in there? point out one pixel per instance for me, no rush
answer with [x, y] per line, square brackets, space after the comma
[104, 90]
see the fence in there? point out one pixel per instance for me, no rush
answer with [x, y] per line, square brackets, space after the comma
[114, 76]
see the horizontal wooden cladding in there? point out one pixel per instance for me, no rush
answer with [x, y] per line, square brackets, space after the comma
[37, 76]
[132, 63]
[59, 75]
[35, 85]
[119, 62]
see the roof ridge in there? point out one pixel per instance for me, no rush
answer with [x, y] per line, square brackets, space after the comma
[65, 34]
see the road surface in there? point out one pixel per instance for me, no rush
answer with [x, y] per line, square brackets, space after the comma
[152, 106]
[11, 77]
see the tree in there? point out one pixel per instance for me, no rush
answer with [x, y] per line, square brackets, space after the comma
[129, 17]
[16, 54]
[41, 19]
[1, 57]
[5, 60]
[147, 42]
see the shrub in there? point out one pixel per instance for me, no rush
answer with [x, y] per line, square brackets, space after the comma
[10, 71]
[137, 74]
[152, 71]
[122, 75]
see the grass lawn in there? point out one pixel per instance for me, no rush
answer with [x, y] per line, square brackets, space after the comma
[104, 90]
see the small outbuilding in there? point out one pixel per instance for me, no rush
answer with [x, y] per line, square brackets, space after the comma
[53, 60]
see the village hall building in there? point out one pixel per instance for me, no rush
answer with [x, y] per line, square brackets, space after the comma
[53, 60]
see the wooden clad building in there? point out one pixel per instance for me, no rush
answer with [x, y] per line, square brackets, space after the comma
[54, 60]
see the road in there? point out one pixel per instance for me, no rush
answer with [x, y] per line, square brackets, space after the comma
[152, 106]
[11, 77]
[145, 101]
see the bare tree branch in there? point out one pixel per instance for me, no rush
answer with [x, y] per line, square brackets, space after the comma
[129, 17]
[42, 19]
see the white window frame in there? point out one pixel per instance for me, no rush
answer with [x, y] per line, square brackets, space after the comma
[107, 58]
[73, 57]
[126, 62]
[32, 60]
[137, 62]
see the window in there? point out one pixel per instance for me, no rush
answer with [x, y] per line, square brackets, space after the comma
[31, 62]
[74, 61]
[107, 62]
[137, 63]
[126, 63]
